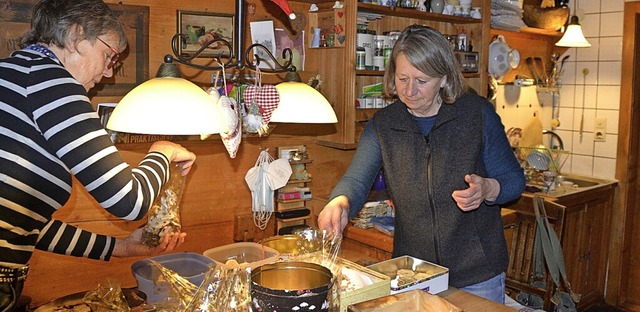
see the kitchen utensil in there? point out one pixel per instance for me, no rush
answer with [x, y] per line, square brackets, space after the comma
[533, 69]
[499, 57]
[514, 58]
[549, 179]
[564, 59]
[532, 132]
[543, 69]
[538, 160]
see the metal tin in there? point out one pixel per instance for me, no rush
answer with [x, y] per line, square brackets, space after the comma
[360, 58]
[291, 286]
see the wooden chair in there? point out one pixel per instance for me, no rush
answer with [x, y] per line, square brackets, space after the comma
[520, 232]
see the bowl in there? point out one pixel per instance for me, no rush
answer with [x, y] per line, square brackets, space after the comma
[545, 18]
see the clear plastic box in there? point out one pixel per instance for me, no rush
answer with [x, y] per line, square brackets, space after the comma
[246, 254]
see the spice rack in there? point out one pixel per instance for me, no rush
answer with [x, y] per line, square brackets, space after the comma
[346, 83]
[291, 211]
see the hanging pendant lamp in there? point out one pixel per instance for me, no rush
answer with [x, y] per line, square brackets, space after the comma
[573, 36]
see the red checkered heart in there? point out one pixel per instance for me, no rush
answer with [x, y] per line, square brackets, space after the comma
[268, 99]
[250, 95]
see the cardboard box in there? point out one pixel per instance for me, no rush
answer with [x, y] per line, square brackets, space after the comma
[289, 195]
[434, 280]
[375, 284]
[413, 300]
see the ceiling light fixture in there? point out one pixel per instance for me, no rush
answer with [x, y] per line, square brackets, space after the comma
[168, 104]
[573, 36]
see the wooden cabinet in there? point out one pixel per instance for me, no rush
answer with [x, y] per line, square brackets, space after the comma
[585, 242]
[342, 82]
[291, 200]
[582, 223]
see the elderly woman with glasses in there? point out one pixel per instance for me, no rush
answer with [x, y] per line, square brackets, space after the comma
[50, 132]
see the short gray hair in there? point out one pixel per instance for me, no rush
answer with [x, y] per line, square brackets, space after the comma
[429, 52]
[64, 22]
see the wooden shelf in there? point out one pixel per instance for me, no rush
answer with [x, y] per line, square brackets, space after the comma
[298, 181]
[293, 185]
[289, 201]
[413, 13]
[344, 88]
[294, 219]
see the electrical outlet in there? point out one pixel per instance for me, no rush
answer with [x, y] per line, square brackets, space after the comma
[244, 230]
[600, 129]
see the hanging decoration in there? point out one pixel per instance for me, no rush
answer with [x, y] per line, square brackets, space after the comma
[231, 114]
[284, 5]
[266, 176]
[261, 101]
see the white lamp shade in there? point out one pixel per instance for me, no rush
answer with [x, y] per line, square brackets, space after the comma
[573, 38]
[300, 103]
[167, 106]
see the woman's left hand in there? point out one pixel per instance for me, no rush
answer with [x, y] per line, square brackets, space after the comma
[132, 245]
[480, 189]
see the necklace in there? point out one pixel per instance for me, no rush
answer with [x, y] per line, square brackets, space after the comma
[42, 49]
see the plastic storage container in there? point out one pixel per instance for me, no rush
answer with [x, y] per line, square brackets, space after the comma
[189, 265]
[246, 254]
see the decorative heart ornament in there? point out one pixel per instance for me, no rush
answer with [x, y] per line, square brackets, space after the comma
[268, 99]
[261, 102]
[232, 138]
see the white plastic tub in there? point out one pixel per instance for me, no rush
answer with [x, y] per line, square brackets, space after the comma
[245, 254]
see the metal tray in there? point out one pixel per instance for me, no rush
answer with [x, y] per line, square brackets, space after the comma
[391, 267]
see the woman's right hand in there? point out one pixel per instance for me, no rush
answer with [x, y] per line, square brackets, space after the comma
[335, 215]
[175, 153]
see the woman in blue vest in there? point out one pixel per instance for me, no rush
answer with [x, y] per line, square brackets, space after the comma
[447, 165]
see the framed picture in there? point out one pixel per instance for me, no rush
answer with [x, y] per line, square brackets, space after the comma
[15, 21]
[202, 27]
[134, 67]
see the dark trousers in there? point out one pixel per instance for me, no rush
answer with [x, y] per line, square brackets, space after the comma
[9, 295]
[11, 284]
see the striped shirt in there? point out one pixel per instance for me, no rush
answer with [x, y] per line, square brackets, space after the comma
[49, 131]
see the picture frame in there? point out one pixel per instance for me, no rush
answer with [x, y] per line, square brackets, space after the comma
[15, 21]
[201, 27]
[134, 67]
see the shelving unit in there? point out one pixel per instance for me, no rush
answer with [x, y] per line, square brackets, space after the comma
[291, 200]
[342, 82]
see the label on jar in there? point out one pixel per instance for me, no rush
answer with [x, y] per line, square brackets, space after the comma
[360, 59]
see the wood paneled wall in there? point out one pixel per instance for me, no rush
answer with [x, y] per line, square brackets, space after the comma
[216, 190]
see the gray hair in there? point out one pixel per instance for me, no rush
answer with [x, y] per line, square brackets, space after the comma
[428, 51]
[67, 22]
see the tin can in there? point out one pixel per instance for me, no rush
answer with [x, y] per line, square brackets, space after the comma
[360, 58]
[378, 102]
[387, 56]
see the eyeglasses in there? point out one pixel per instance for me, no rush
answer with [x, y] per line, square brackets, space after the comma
[114, 58]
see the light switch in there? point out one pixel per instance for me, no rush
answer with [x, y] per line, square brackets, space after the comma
[600, 129]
